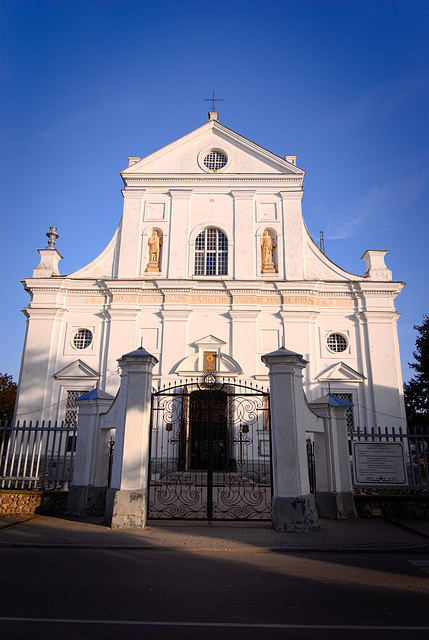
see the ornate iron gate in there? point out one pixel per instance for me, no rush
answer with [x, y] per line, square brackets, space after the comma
[210, 452]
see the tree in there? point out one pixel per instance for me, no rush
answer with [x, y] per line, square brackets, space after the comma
[416, 391]
[7, 396]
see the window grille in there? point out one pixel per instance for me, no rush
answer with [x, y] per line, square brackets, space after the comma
[211, 253]
[215, 160]
[350, 421]
[336, 342]
[70, 418]
[82, 338]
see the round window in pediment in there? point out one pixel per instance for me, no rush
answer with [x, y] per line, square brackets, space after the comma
[215, 160]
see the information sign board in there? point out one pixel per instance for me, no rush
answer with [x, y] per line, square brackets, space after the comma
[378, 463]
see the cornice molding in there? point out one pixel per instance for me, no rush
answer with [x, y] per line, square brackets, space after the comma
[243, 194]
[180, 194]
[44, 312]
[376, 316]
[175, 315]
[217, 179]
[244, 314]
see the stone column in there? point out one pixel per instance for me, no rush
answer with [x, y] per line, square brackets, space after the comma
[126, 503]
[334, 490]
[88, 492]
[294, 508]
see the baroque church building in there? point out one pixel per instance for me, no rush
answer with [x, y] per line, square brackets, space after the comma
[210, 268]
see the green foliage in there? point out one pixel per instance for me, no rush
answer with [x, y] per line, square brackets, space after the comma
[416, 391]
[7, 396]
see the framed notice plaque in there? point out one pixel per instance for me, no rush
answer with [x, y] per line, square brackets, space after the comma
[378, 463]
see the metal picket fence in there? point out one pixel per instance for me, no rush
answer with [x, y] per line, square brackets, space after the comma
[37, 455]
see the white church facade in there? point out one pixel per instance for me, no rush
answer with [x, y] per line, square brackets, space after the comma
[210, 268]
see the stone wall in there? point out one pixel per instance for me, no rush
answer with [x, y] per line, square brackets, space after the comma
[393, 507]
[15, 503]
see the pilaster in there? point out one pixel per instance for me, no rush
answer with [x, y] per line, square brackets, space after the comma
[174, 335]
[293, 246]
[39, 360]
[380, 337]
[129, 248]
[179, 230]
[121, 333]
[244, 336]
[243, 233]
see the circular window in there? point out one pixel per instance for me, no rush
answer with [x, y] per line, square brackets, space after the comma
[82, 339]
[336, 342]
[215, 160]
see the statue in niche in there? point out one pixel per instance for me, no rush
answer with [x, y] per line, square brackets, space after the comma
[155, 244]
[267, 248]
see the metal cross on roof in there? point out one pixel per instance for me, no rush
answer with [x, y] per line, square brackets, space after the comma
[213, 100]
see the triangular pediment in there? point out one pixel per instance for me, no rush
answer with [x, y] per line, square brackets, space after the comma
[209, 341]
[340, 372]
[186, 155]
[77, 369]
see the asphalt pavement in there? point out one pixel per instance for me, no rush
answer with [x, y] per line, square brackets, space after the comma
[183, 580]
[330, 535]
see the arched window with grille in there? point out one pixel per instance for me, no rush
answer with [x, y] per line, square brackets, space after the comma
[211, 253]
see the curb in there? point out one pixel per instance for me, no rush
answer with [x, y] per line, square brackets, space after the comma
[283, 549]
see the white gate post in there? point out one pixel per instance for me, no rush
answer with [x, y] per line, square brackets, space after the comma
[294, 507]
[87, 494]
[126, 503]
[334, 489]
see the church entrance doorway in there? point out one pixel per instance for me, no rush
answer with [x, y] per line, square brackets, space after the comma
[210, 452]
[208, 430]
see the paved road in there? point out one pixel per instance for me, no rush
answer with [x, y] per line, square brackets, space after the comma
[153, 594]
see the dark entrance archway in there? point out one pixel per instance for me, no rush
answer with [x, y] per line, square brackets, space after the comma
[208, 430]
[210, 452]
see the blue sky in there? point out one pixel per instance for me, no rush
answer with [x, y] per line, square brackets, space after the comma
[342, 84]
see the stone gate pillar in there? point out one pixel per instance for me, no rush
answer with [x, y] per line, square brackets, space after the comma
[294, 507]
[88, 492]
[126, 502]
[332, 460]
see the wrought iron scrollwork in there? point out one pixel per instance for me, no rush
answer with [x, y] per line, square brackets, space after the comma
[207, 461]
